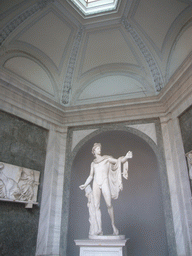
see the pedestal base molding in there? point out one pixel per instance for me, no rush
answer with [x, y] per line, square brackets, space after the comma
[102, 246]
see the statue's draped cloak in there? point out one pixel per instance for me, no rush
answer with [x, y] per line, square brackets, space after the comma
[114, 175]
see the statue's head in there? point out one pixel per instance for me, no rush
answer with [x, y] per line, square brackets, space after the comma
[95, 146]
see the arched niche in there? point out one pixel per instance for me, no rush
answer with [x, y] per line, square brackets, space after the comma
[141, 212]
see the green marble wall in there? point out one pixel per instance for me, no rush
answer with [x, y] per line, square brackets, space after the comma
[22, 144]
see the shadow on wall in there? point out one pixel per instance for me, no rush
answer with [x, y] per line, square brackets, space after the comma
[138, 210]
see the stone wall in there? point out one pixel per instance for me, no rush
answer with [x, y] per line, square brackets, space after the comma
[22, 144]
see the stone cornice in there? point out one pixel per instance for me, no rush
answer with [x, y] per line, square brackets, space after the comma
[47, 113]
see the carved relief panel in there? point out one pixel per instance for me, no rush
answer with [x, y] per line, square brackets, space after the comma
[18, 184]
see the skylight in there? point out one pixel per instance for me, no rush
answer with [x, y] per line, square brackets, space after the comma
[89, 7]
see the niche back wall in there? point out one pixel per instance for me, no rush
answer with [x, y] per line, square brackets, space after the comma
[139, 213]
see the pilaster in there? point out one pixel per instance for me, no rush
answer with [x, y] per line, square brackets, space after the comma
[178, 183]
[51, 205]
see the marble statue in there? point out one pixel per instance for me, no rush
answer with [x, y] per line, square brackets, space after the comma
[107, 179]
[92, 213]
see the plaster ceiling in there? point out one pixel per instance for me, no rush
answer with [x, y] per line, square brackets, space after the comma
[6, 5]
[47, 36]
[74, 59]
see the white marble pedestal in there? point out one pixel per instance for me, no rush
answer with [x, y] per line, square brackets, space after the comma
[102, 246]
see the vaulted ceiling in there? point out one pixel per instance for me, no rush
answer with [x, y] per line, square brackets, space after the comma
[52, 50]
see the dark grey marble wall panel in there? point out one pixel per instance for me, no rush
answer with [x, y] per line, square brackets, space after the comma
[22, 144]
[185, 121]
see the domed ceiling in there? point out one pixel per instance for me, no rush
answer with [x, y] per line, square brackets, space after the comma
[55, 50]
[91, 7]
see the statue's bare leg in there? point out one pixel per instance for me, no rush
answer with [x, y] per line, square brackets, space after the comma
[97, 195]
[111, 214]
[107, 196]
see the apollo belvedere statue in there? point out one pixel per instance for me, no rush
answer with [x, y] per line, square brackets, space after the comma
[107, 179]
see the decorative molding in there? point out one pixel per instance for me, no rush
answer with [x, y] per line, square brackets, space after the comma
[12, 25]
[71, 67]
[156, 74]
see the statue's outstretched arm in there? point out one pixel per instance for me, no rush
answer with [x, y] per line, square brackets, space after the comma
[123, 159]
[112, 160]
[127, 156]
[88, 180]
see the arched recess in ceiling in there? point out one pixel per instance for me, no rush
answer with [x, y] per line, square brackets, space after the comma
[20, 18]
[112, 86]
[181, 49]
[50, 34]
[35, 75]
[159, 28]
[150, 16]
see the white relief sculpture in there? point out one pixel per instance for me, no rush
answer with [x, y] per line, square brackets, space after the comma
[2, 189]
[11, 187]
[189, 160]
[26, 184]
[107, 179]
[18, 184]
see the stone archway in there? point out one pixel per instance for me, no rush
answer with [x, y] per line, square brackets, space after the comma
[139, 211]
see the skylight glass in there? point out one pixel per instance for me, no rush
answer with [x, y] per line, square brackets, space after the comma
[88, 7]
